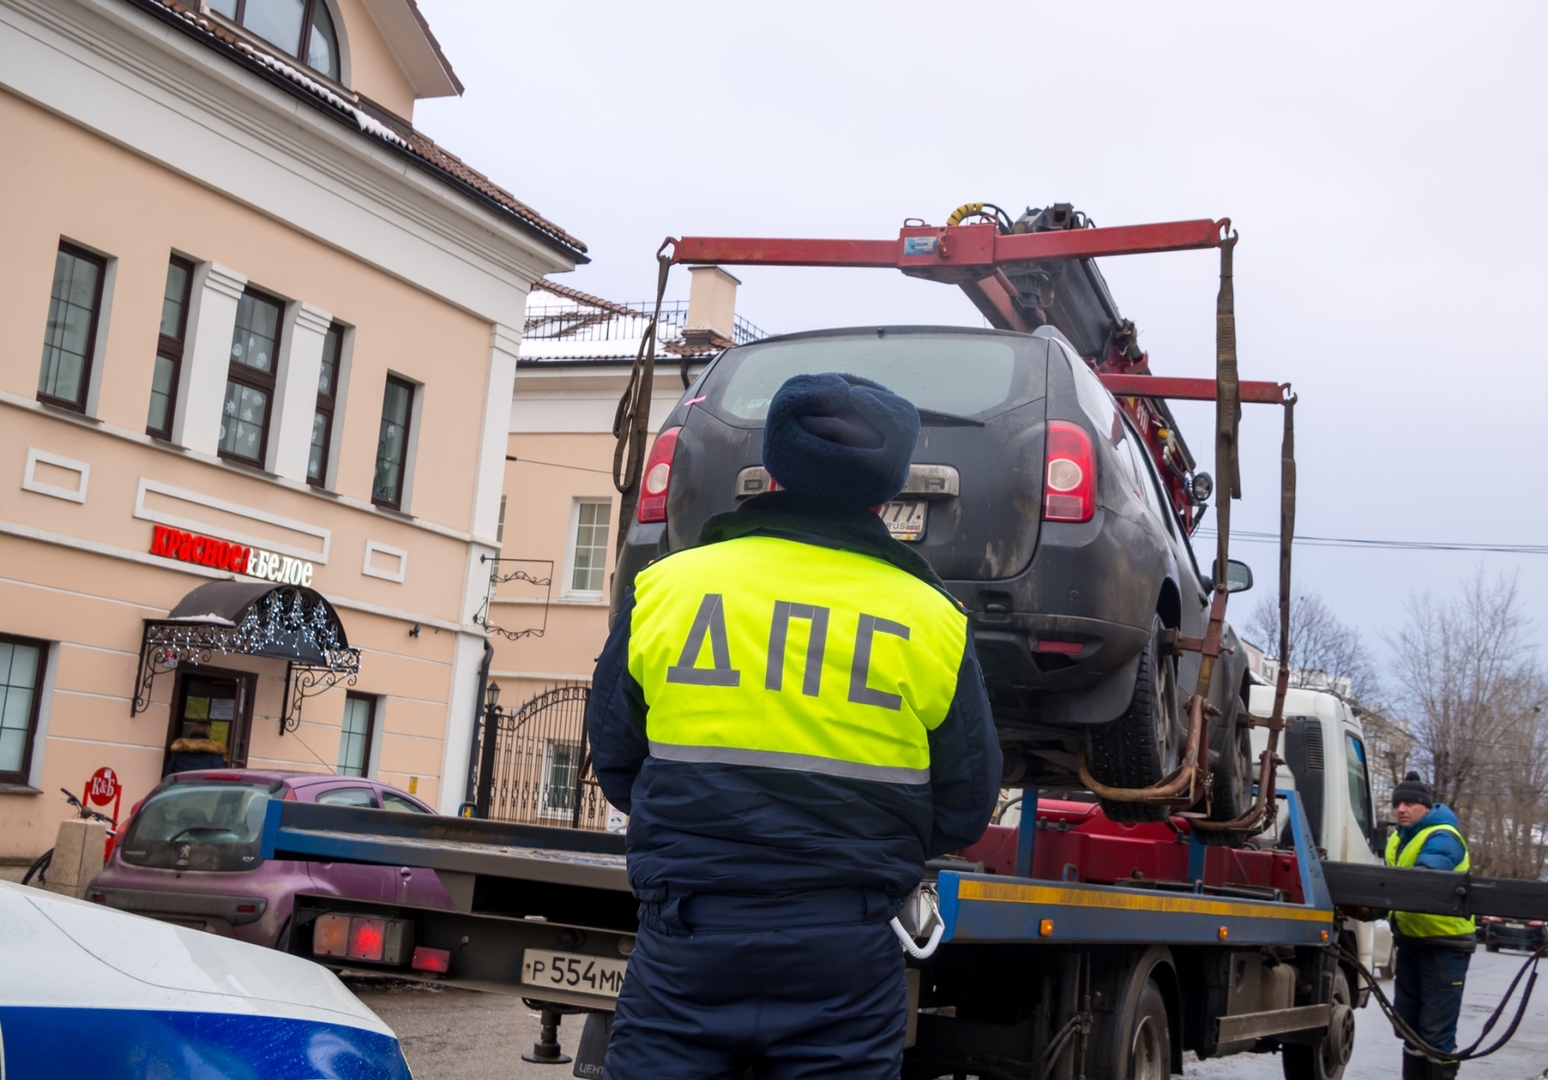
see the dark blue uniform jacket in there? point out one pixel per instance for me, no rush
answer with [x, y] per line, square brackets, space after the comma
[747, 830]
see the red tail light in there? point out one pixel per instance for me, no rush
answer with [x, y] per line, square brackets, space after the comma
[428, 959]
[657, 479]
[1069, 479]
[367, 939]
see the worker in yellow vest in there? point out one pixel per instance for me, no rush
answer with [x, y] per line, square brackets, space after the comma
[1433, 951]
[793, 716]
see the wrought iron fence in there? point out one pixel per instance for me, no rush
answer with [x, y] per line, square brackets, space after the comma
[618, 322]
[534, 765]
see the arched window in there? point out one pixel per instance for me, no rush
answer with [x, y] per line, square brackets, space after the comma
[302, 28]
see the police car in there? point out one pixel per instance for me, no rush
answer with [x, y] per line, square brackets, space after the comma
[86, 991]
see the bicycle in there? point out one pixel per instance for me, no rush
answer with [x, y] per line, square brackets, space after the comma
[39, 868]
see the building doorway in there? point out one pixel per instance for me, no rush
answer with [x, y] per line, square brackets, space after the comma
[220, 700]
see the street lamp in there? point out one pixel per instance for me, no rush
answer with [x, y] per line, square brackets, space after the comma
[492, 696]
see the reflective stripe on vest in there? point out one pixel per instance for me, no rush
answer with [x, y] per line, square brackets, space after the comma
[1413, 924]
[764, 651]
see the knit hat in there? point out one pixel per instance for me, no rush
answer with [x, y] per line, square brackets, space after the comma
[840, 440]
[1413, 789]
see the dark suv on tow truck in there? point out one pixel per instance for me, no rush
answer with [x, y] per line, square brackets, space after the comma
[1033, 498]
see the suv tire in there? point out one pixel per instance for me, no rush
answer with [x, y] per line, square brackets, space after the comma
[1234, 774]
[1147, 741]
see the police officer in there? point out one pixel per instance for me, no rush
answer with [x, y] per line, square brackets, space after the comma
[1432, 950]
[794, 717]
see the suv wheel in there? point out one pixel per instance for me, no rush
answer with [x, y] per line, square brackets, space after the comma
[1235, 773]
[1147, 741]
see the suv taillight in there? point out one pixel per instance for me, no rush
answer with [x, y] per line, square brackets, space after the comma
[1069, 479]
[657, 479]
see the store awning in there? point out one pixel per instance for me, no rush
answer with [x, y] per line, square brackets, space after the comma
[241, 618]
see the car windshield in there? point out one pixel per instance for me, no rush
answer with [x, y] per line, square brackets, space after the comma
[199, 827]
[958, 375]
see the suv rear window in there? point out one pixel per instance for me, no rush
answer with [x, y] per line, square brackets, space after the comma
[955, 374]
[199, 827]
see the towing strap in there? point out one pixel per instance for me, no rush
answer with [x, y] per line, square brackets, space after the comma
[631, 423]
[1472, 1053]
[1286, 541]
[1228, 405]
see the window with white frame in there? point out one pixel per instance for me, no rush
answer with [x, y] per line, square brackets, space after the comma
[588, 547]
[355, 740]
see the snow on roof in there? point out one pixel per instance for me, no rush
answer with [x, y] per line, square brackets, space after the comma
[565, 325]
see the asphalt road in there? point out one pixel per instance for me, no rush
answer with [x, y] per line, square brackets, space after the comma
[461, 1035]
[1378, 1053]
[449, 1034]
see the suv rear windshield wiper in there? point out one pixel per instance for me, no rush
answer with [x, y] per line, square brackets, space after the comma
[932, 418]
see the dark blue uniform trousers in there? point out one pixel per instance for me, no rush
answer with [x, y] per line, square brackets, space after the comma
[796, 988]
[1429, 990]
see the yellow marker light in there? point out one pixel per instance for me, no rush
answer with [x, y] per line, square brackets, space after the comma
[1224, 933]
[1324, 935]
[1045, 928]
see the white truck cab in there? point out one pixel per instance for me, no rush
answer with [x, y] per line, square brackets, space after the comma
[1326, 764]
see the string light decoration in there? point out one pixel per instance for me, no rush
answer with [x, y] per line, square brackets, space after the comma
[287, 623]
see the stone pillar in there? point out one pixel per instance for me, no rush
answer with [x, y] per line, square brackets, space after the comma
[295, 389]
[201, 391]
[77, 857]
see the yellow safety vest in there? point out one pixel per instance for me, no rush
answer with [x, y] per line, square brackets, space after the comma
[1412, 924]
[765, 651]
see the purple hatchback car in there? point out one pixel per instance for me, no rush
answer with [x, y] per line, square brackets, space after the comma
[190, 855]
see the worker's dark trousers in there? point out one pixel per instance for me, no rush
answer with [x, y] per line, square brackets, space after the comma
[795, 988]
[1429, 990]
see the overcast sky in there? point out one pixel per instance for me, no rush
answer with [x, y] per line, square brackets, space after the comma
[1383, 163]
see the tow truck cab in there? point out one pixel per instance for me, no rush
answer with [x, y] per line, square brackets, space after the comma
[1327, 764]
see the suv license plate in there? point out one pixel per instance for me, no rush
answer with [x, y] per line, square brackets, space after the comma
[573, 971]
[905, 518]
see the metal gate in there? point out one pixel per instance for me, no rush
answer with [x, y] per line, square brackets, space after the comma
[535, 764]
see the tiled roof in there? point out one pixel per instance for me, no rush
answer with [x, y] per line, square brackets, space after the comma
[412, 144]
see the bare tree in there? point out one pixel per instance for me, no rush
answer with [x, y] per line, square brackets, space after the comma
[1474, 693]
[1324, 652]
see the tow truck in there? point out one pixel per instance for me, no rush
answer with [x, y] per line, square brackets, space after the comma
[1065, 945]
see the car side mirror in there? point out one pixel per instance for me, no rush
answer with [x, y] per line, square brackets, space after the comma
[1238, 576]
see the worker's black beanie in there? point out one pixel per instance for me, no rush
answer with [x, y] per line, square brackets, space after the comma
[1413, 789]
[839, 440]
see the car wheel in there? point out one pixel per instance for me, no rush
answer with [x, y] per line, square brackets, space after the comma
[1231, 765]
[1147, 741]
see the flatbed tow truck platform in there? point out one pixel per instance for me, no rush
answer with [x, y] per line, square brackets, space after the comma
[1034, 975]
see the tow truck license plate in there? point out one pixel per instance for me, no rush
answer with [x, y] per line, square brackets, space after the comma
[905, 518]
[573, 971]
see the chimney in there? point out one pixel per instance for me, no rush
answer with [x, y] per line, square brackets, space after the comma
[711, 308]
